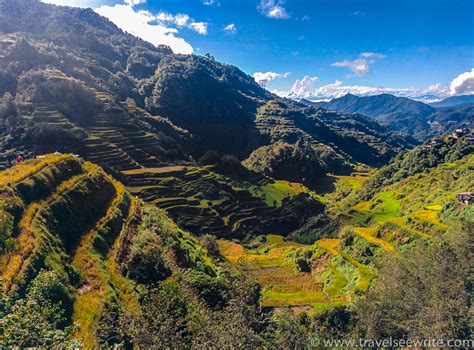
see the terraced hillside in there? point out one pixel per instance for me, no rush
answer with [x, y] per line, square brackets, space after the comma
[130, 143]
[310, 278]
[54, 220]
[396, 208]
[392, 211]
[131, 105]
[351, 138]
[205, 201]
[72, 231]
[118, 136]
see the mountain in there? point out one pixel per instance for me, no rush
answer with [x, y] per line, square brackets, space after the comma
[188, 207]
[71, 81]
[453, 101]
[378, 105]
[216, 104]
[404, 115]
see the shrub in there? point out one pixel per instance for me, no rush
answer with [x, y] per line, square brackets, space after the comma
[145, 263]
[53, 136]
[209, 158]
[70, 96]
[210, 243]
[38, 320]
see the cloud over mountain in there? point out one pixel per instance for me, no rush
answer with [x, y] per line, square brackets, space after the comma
[463, 84]
[305, 88]
[159, 29]
[262, 78]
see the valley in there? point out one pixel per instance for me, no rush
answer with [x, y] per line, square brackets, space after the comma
[150, 197]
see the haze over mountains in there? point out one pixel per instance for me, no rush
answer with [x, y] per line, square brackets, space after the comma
[401, 114]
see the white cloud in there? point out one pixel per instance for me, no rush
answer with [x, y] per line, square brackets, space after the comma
[305, 88]
[262, 78]
[374, 55]
[139, 24]
[134, 2]
[158, 29]
[199, 27]
[231, 28]
[211, 3]
[182, 20]
[73, 3]
[300, 87]
[273, 9]
[360, 66]
[463, 84]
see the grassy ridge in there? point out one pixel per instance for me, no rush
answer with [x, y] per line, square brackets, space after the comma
[96, 290]
[83, 202]
[395, 214]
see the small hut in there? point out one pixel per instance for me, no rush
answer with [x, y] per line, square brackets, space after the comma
[465, 198]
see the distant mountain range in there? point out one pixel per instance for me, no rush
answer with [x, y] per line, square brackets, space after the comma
[454, 101]
[402, 114]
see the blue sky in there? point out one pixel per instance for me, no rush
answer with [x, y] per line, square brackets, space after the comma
[319, 47]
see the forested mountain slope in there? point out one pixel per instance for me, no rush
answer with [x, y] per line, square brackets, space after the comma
[71, 81]
[216, 105]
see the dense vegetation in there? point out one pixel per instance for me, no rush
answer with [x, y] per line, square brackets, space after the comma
[116, 275]
[230, 245]
[70, 76]
[136, 278]
[418, 160]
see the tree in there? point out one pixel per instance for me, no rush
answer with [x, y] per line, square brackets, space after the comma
[145, 263]
[8, 107]
[162, 323]
[209, 158]
[421, 293]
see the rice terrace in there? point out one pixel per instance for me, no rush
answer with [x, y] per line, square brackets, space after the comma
[154, 195]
